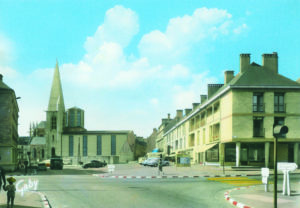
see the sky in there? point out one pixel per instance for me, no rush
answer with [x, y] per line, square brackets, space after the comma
[129, 63]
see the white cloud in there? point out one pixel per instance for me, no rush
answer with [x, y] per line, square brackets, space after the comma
[184, 96]
[240, 29]
[6, 49]
[154, 101]
[6, 56]
[120, 25]
[7, 71]
[183, 32]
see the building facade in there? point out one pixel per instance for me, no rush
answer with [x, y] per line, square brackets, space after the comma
[9, 113]
[233, 125]
[66, 136]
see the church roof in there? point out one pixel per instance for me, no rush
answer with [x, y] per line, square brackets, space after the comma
[38, 141]
[56, 95]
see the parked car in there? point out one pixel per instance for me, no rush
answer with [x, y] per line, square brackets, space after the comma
[95, 164]
[42, 166]
[56, 163]
[153, 162]
[150, 161]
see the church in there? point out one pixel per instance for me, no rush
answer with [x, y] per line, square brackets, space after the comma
[66, 136]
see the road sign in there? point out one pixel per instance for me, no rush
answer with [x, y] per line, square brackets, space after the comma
[287, 166]
[111, 168]
[265, 172]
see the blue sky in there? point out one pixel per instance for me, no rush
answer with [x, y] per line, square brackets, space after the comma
[130, 63]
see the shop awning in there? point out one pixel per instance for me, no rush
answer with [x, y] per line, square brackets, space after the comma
[207, 146]
[155, 150]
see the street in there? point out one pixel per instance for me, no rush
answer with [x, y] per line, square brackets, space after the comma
[77, 187]
[88, 191]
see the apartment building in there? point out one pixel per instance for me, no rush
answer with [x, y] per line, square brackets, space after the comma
[9, 114]
[233, 125]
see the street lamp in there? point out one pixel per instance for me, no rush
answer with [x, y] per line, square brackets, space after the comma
[278, 131]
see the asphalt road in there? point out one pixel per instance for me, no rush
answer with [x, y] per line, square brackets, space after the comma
[77, 187]
[66, 191]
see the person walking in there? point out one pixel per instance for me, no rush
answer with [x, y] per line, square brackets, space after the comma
[26, 166]
[160, 166]
[2, 177]
[11, 190]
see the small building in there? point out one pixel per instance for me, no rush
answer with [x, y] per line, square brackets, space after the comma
[37, 149]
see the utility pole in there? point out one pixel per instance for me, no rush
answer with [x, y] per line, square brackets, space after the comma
[278, 131]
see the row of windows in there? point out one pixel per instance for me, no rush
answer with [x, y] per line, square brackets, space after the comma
[85, 145]
[259, 106]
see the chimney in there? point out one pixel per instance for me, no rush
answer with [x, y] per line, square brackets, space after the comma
[244, 61]
[1, 77]
[169, 116]
[212, 88]
[195, 105]
[179, 113]
[270, 61]
[228, 76]
[187, 111]
[203, 98]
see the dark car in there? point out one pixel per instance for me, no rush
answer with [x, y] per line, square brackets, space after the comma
[95, 164]
[56, 163]
[42, 166]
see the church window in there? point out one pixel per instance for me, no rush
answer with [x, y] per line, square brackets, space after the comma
[72, 118]
[53, 122]
[71, 144]
[113, 144]
[52, 138]
[85, 146]
[99, 145]
[78, 118]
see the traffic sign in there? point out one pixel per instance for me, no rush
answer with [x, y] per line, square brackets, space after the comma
[285, 166]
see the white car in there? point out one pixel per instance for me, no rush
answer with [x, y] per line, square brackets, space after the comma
[151, 161]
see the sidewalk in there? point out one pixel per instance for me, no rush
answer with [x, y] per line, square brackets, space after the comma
[256, 196]
[29, 200]
[194, 170]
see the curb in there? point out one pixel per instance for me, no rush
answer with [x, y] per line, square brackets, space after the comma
[46, 203]
[233, 201]
[173, 176]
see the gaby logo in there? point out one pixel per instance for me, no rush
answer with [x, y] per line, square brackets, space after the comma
[22, 186]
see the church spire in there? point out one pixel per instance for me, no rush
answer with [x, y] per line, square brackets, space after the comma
[56, 101]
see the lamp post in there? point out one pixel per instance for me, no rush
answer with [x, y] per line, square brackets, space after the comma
[278, 131]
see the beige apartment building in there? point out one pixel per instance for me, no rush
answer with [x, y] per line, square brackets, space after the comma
[233, 125]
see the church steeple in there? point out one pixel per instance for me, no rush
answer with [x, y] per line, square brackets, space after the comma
[56, 101]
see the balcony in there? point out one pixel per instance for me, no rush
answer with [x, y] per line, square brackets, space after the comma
[279, 108]
[259, 132]
[258, 107]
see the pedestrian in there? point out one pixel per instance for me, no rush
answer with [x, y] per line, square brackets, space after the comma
[26, 165]
[11, 189]
[160, 166]
[2, 177]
